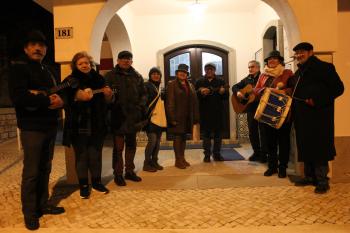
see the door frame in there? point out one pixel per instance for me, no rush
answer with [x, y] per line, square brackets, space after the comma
[232, 70]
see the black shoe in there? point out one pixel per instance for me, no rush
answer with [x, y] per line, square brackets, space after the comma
[270, 171]
[282, 173]
[119, 180]
[254, 157]
[157, 166]
[132, 176]
[322, 188]
[32, 223]
[52, 210]
[206, 159]
[100, 188]
[305, 182]
[218, 158]
[84, 191]
[148, 167]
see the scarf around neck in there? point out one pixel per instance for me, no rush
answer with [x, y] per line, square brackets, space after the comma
[274, 72]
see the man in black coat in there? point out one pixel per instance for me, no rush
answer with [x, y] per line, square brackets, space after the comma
[211, 92]
[316, 85]
[37, 118]
[253, 125]
[128, 111]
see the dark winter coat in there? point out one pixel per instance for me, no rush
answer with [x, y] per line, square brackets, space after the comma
[252, 80]
[128, 110]
[32, 110]
[84, 118]
[181, 109]
[314, 126]
[152, 89]
[211, 106]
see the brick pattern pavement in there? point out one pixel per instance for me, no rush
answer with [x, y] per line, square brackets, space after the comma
[173, 209]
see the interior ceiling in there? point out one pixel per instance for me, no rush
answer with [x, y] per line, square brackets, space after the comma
[152, 7]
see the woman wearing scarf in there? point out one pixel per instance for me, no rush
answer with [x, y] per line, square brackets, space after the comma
[85, 125]
[275, 77]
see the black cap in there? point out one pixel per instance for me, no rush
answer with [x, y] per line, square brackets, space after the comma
[182, 68]
[303, 46]
[35, 36]
[274, 53]
[210, 64]
[154, 70]
[124, 54]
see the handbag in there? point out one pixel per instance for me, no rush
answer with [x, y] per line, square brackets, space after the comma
[158, 116]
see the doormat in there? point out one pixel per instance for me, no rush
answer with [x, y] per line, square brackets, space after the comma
[231, 154]
[198, 146]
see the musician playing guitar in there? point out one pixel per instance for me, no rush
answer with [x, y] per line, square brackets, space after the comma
[211, 92]
[243, 100]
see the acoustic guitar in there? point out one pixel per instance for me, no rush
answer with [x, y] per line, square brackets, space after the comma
[240, 104]
[70, 83]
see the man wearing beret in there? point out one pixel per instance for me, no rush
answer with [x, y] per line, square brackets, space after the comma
[127, 112]
[37, 118]
[211, 93]
[316, 86]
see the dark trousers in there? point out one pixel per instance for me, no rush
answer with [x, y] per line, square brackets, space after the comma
[152, 147]
[179, 145]
[207, 135]
[38, 149]
[254, 137]
[277, 141]
[317, 171]
[88, 158]
[130, 149]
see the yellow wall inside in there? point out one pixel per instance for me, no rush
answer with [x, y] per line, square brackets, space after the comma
[317, 22]
[342, 63]
[82, 18]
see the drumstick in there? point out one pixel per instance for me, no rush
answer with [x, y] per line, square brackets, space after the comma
[300, 99]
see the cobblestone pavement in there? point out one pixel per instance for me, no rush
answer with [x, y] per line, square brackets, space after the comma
[190, 208]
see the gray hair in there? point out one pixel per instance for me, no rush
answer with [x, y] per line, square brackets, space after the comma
[255, 62]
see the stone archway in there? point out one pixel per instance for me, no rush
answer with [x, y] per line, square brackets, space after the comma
[282, 8]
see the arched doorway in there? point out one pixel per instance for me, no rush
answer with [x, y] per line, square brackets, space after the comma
[196, 56]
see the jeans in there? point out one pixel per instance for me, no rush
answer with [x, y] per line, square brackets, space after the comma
[152, 147]
[38, 148]
[130, 143]
[88, 158]
[207, 136]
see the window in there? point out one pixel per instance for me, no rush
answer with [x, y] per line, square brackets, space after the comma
[212, 58]
[179, 59]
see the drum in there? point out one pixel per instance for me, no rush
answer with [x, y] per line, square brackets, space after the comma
[273, 108]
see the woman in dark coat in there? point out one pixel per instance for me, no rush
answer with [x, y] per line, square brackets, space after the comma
[318, 84]
[85, 126]
[154, 132]
[182, 112]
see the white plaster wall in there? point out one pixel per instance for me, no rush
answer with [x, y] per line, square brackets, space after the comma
[240, 31]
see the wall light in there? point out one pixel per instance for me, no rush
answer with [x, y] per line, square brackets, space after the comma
[197, 8]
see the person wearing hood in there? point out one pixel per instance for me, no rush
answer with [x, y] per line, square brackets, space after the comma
[154, 131]
[85, 124]
[316, 85]
[275, 77]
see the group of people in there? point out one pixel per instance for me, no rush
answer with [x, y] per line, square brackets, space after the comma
[87, 97]
[313, 89]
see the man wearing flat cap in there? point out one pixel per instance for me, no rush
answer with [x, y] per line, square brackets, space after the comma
[182, 112]
[316, 86]
[211, 94]
[37, 118]
[127, 112]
